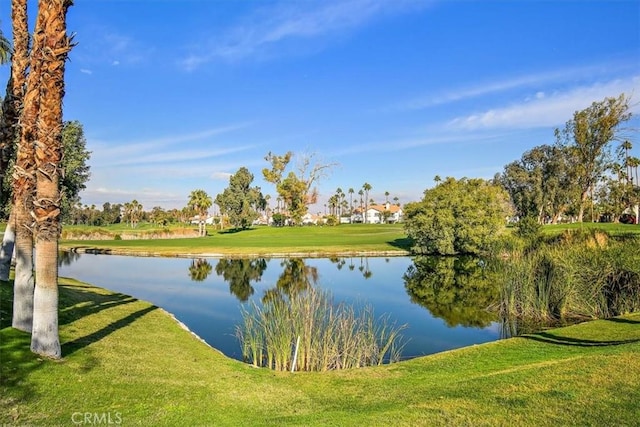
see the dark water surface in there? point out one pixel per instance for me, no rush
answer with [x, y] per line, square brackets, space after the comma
[206, 294]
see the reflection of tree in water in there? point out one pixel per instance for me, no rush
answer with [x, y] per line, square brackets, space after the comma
[459, 290]
[339, 262]
[296, 276]
[239, 273]
[67, 257]
[199, 269]
[364, 268]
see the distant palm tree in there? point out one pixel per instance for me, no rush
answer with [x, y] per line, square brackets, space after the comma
[366, 187]
[54, 46]
[386, 197]
[626, 146]
[350, 191]
[200, 201]
[339, 194]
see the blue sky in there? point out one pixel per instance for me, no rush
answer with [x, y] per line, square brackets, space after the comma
[176, 95]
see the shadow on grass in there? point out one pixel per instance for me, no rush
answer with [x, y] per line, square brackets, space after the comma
[622, 320]
[404, 243]
[548, 338]
[76, 301]
[80, 343]
[234, 230]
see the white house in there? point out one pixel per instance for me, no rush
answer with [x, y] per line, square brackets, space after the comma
[378, 214]
[196, 220]
[311, 219]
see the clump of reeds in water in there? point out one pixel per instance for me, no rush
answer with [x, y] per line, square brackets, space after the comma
[593, 278]
[330, 336]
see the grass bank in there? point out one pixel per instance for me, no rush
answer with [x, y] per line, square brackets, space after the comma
[128, 360]
[273, 241]
[613, 229]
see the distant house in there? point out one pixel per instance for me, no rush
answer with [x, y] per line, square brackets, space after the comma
[311, 219]
[379, 214]
[196, 220]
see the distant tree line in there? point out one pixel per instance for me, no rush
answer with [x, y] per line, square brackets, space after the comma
[583, 170]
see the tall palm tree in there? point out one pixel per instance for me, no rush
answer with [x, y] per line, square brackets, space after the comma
[200, 202]
[54, 46]
[24, 184]
[339, 194]
[626, 146]
[9, 128]
[350, 191]
[366, 187]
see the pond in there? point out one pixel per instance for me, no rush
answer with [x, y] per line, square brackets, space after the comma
[442, 304]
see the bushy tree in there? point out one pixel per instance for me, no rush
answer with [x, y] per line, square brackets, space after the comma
[296, 190]
[588, 136]
[73, 164]
[239, 201]
[542, 183]
[457, 217]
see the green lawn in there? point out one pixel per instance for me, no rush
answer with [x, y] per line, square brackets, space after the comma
[130, 360]
[609, 227]
[360, 238]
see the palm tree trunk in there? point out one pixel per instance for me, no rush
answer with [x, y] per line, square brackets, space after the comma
[44, 337]
[11, 109]
[24, 179]
[6, 249]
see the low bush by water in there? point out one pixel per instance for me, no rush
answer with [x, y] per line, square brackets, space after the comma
[329, 336]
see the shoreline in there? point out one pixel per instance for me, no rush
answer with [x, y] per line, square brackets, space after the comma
[283, 254]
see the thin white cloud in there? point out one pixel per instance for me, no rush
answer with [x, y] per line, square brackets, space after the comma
[86, 71]
[432, 137]
[181, 156]
[221, 176]
[552, 109]
[519, 82]
[117, 153]
[290, 21]
[102, 45]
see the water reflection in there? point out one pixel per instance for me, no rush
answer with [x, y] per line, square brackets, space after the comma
[199, 269]
[363, 267]
[438, 298]
[239, 273]
[67, 258]
[296, 276]
[461, 291]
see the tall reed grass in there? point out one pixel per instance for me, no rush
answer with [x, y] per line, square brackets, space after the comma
[331, 336]
[577, 276]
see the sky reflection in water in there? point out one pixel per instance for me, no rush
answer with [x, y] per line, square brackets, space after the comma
[196, 292]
